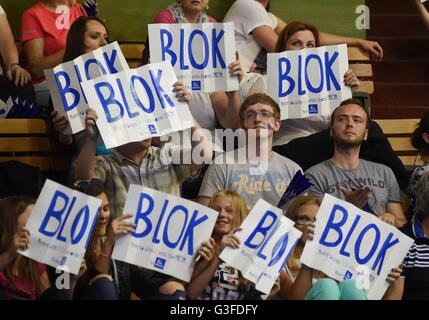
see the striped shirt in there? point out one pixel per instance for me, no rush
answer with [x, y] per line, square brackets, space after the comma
[156, 171]
[416, 263]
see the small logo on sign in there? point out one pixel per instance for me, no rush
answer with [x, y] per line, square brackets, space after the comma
[152, 129]
[160, 263]
[313, 109]
[348, 275]
[196, 85]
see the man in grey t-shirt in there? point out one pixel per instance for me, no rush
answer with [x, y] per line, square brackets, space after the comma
[368, 185]
[266, 179]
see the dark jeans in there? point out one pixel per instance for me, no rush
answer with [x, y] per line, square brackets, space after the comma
[101, 289]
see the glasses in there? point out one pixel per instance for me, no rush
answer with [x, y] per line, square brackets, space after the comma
[303, 219]
[83, 185]
[265, 115]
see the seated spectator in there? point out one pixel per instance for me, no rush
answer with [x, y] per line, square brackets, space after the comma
[420, 141]
[301, 282]
[296, 36]
[256, 29]
[260, 119]
[297, 136]
[15, 81]
[142, 164]
[368, 185]
[213, 279]
[414, 284]
[20, 277]
[97, 283]
[86, 35]
[44, 34]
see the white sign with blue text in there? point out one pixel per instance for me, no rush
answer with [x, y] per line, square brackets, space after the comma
[64, 81]
[169, 232]
[60, 226]
[308, 82]
[350, 243]
[200, 53]
[267, 239]
[138, 104]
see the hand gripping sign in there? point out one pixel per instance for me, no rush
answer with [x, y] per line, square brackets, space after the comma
[60, 226]
[308, 82]
[64, 81]
[200, 53]
[267, 239]
[348, 240]
[135, 105]
[168, 234]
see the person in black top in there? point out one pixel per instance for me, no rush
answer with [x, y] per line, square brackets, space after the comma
[415, 281]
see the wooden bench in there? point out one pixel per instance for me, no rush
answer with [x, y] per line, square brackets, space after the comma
[399, 131]
[359, 62]
[30, 141]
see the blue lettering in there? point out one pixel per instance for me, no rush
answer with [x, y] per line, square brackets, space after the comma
[205, 49]
[161, 94]
[110, 61]
[183, 66]
[330, 76]
[109, 101]
[261, 229]
[283, 76]
[127, 106]
[143, 215]
[93, 61]
[346, 241]
[301, 92]
[79, 77]
[307, 80]
[155, 235]
[380, 257]
[52, 213]
[335, 226]
[374, 245]
[63, 91]
[260, 254]
[189, 233]
[85, 212]
[148, 92]
[167, 241]
[216, 52]
[165, 47]
[60, 236]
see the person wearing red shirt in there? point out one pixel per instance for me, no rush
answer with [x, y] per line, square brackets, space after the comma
[44, 33]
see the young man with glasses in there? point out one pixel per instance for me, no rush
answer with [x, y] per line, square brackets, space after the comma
[254, 170]
[368, 185]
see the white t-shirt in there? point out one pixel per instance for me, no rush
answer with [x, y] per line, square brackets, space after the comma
[248, 15]
[1, 10]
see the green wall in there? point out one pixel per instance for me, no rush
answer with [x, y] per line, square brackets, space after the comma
[127, 19]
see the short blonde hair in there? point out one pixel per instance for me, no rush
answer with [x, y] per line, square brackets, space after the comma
[238, 204]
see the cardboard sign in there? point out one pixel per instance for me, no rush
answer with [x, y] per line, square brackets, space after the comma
[200, 53]
[267, 239]
[308, 82]
[169, 232]
[350, 243]
[60, 226]
[135, 105]
[64, 81]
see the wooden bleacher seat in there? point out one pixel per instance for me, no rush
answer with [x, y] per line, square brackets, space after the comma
[399, 131]
[30, 141]
[360, 63]
[133, 53]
